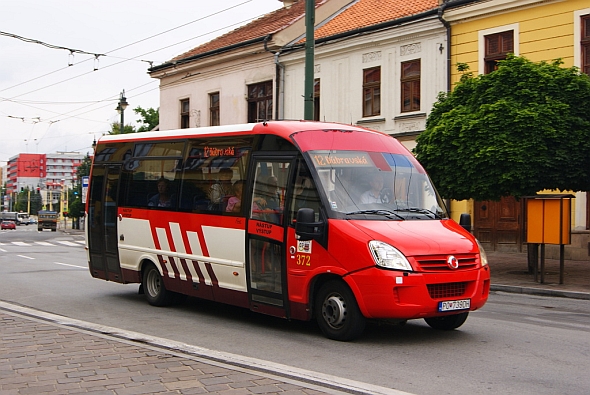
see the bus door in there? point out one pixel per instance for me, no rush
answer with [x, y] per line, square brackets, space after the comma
[102, 223]
[265, 262]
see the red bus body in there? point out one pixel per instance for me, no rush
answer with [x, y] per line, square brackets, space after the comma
[400, 258]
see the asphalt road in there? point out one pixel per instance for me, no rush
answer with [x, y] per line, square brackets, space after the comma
[516, 344]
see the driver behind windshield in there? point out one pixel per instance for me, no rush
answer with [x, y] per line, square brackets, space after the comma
[373, 195]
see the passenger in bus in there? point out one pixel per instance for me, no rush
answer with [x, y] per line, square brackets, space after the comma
[373, 195]
[163, 198]
[234, 203]
[221, 188]
[267, 203]
[267, 195]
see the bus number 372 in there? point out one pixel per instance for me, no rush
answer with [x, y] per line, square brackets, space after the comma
[301, 220]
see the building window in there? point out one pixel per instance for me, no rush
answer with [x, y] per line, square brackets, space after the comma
[372, 91]
[185, 109]
[214, 109]
[497, 47]
[410, 85]
[260, 102]
[316, 99]
[585, 44]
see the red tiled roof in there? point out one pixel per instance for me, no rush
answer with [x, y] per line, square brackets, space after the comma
[267, 24]
[361, 14]
[372, 12]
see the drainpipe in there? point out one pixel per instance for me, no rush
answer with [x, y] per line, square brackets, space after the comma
[447, 25]
[279, 80]
[279, 111]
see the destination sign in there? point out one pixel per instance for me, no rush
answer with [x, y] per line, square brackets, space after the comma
[342, 159]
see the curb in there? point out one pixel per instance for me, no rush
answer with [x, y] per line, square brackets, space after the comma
[540, 291]
[313, 380]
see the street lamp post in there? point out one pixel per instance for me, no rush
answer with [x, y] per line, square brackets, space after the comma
[121, 106]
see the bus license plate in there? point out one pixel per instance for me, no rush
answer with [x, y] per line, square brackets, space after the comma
[451, 305]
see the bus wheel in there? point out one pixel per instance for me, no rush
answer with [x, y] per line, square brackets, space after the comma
[447, 322]
[337, 312]
[154, 289]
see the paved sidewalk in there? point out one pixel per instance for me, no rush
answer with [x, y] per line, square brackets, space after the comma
[509, 272]
[41, 353]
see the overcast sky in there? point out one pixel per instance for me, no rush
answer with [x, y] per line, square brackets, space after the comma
[48, 106]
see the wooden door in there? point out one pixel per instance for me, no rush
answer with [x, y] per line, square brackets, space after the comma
[498, 225]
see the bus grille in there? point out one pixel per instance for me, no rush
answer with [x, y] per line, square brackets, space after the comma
[447, 290]
[439, 262]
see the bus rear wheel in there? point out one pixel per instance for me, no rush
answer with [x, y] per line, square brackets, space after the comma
[337, 312]
[447, 322]
[154, 288]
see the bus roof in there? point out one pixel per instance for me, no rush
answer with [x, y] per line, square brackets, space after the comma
[281, 128]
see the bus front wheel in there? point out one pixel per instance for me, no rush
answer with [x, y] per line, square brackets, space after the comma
[337, 312]
[447, 322]
[154, 289]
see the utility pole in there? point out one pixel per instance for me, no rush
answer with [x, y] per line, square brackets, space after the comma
[309, 58]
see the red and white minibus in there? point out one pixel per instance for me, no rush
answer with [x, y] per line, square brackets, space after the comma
[294, 219]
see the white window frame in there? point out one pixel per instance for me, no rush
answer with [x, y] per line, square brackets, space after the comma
[578, 36]
[481, 45]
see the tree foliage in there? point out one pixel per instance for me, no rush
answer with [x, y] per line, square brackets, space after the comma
[520, 129]
[149, 119]
[75, 203]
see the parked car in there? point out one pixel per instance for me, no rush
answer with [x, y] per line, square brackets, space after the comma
[7, 225]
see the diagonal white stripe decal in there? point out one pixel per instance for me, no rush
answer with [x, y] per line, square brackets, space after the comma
[165, 248]
[193, 241]
[179, 247]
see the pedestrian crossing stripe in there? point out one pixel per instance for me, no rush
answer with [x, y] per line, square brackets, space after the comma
[77, 243]
[67, 243]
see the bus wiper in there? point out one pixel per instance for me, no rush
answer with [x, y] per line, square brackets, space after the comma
[421, 211]
[387, 213]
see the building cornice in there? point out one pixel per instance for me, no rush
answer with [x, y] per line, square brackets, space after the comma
[483, 8]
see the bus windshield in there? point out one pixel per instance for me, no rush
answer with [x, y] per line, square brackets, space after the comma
[374, 185]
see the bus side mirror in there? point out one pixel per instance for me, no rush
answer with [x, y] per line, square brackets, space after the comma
[306, 228]
[465, 221]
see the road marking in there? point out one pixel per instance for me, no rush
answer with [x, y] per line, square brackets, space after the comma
[21, 243]
[81, 241]
[44, 243]
[67, 264]
[3, 250]
[24, 256]
[67, 243]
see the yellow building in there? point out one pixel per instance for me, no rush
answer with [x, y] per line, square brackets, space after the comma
[483, 33]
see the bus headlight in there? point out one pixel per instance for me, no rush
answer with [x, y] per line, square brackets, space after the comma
[482, 254]
[388, 257]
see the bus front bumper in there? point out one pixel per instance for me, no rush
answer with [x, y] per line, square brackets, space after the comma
[388, 294]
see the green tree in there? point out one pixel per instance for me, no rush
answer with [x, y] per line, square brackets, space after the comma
[116, 128]
[520, 129]
[150, 118]
[83, 170]
[75, 203]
